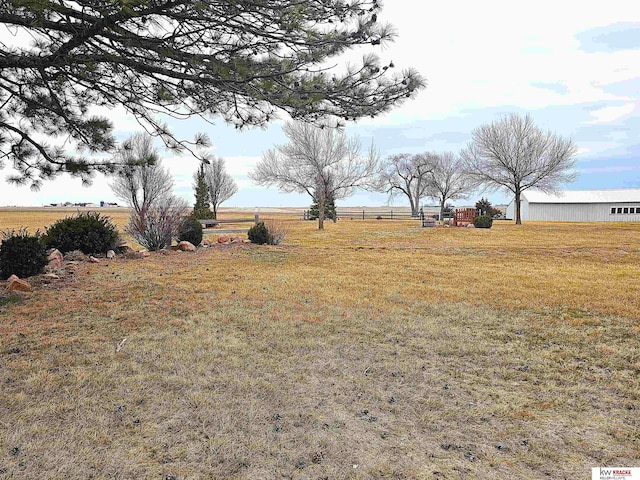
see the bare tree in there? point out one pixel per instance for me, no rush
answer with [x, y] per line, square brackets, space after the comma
[146, 188]
[448, 180]
[515, 155]
[221, 185]
[320, 161]
[140, 180]
[408, 175]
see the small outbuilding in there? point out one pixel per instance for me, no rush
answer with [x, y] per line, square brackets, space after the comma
[622, 205]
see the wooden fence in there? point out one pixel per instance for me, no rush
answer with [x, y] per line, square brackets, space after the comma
[371, 215]
[226, 225]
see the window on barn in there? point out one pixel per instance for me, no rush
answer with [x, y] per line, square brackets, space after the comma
[626, 210]
[632, 210]
[619, 209]
[613, 210]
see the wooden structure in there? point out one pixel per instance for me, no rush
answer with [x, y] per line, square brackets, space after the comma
[211, 223]
[429, 222]
[464, 216]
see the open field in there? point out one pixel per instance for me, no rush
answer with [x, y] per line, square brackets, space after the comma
[370, 350]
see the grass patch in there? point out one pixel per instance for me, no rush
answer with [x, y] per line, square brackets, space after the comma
[352, 353]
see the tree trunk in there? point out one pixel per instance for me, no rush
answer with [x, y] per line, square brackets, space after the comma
[215, 212]
[442, 210]
[517, 205]
[414, 207]
[321, 204]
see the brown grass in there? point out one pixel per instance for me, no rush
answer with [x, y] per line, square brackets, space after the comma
[370, 350]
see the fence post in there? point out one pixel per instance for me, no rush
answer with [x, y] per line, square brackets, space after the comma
[363, 214]
[391, 214]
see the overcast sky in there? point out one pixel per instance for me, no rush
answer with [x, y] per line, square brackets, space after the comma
[573, 65]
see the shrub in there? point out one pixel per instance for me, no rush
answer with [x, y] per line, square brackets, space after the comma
[75, 256]
[329, 211]
[156, 227]
[483, 221]
[258, 234]
[276, 232]
[190, 230]
[495, 212]
[22, 254]
[271, 233]
[88, 232]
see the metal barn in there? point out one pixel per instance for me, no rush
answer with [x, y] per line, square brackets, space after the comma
[579, 206]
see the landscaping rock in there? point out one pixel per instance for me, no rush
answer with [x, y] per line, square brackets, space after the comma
[185, 246]
[471, 225]
[237, 240]
[75, 256]
[93, 259]
[17, 285]
[125, 249]
[49, 277]
[223, 239]
[56, 259]
[12, 277]
[111, 254]
[206, 242]
[133, 254]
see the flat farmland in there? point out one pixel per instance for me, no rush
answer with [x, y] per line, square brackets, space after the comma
[373, 349]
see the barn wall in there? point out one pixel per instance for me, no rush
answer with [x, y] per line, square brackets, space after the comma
[511, 211]
[525, 207]
[580, 212]
[524, 210]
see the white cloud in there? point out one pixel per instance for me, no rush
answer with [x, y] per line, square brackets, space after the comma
[474, 55]
[611, 169]
[610, 114]
[240, 165]
[482, 54]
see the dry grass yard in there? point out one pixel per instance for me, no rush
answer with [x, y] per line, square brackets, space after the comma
[375, 349]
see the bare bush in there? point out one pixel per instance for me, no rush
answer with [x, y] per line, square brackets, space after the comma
[156, 227]
[277, 230]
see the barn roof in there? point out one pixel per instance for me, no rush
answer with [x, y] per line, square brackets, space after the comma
[584, 196]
